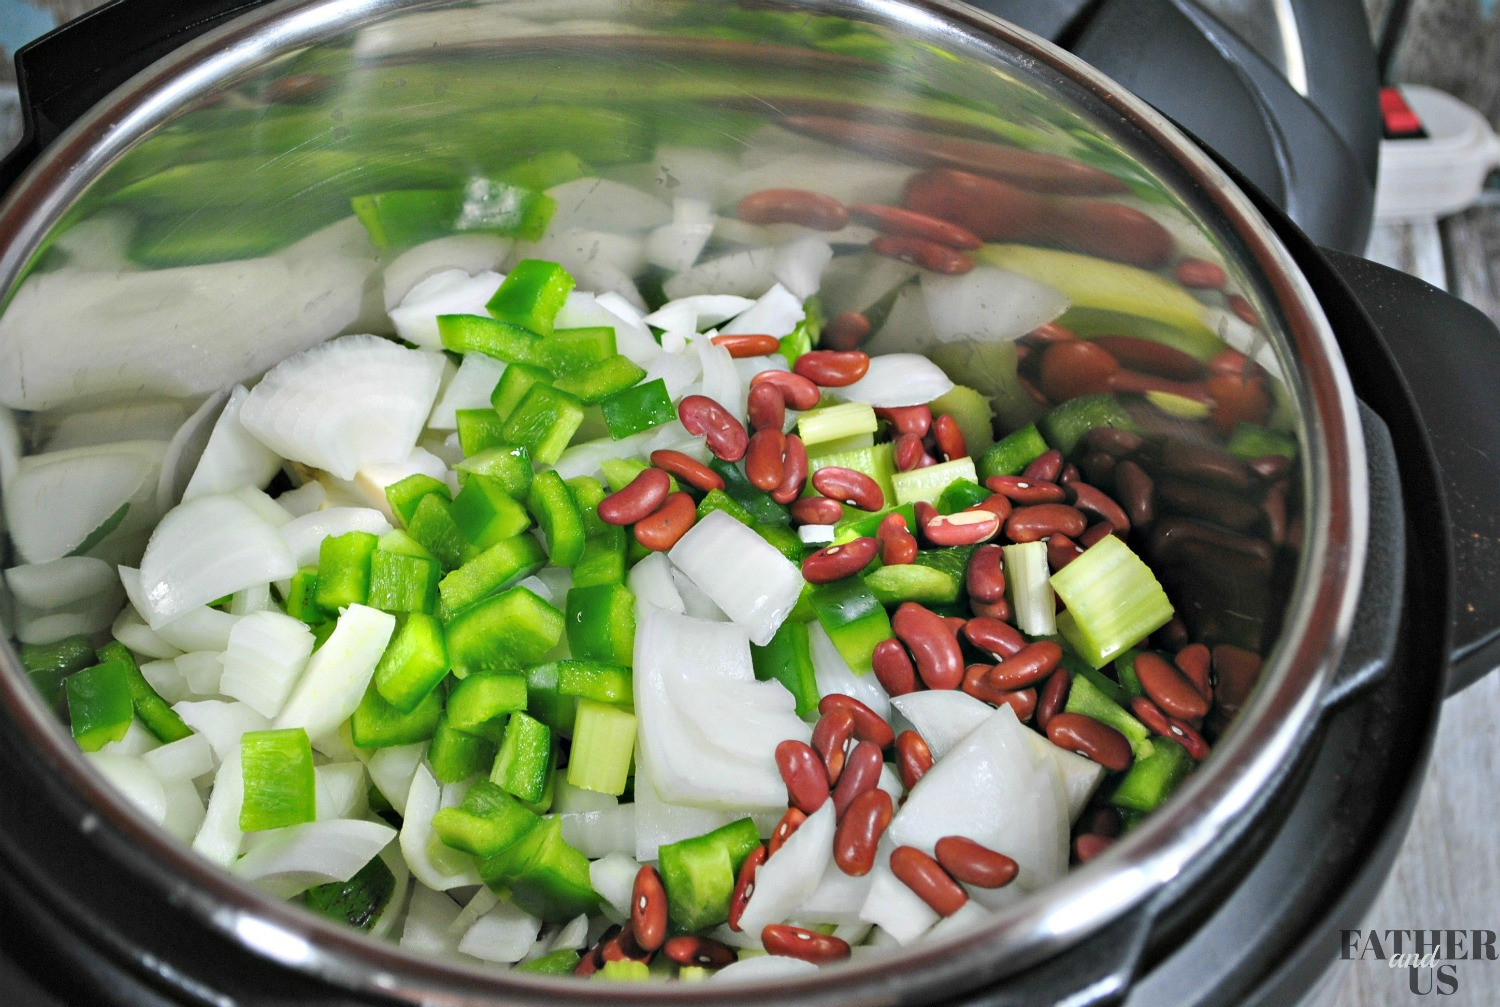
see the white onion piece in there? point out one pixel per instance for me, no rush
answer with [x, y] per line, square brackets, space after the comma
[54, 501]
[55, 626]
[1080, 777]
[469, 253]
[816, 534]
[203, 628]
[694, 602]
[745, 273]
[763, 968]
[204, 549]
[970, 916]
[219, 837]
[269, 510]
[859, 282]
[745, 576]
[62, 582]
[568, 798]
[659, 823]
[314, 853]
[481, 902]
[798, 265]
[345, 404]
[134, 780]
[833, 674]
[749, 367]
[836, 898]
[394, 911]
[898, 379]
[165, 677]
[185, 450]
[574, 935]
[892, 906]
[100, 424]
[251, 600]
[470, 389]
[221, 723]
[338, 674]
[392, 770]
[721, 379]
[777, 313]
[632, 338]
[427, 929]
[185, 810]
[303, 500]
[784, 880]
[678, 371]
[606, 205]
[131, 630]
[599, 260]
[596, 833]
[988, 303]
[367, 488]
[450, 292]
[437, 866]
[184, 759]
[584, 459]
[692, 171]
[698, 311]
[136, 741]
[202, 670]
[267, 652]
[650, 580]
[304, 535]
[943, 717]
[737, 939]
[503, 935]
[613, 877]
[676, 245]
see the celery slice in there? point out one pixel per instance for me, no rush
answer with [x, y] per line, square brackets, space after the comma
[971, 411]
[832, 423]
[603, 743]
[1114, 601]
[1029, 589]
[928, 484]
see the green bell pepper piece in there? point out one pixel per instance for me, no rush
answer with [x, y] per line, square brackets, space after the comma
[531, 295]
[601, 623]
[344, 569]
[357, 902]
[432, 525]
[699, 873]
[414, 662]
[514, 384]
[405, 494]
[638, 408]
[377, 724]
[552, 504]
[543, 422]
[485, 513]
[961, 494]
[456, 755]
[47, 665]
[487, 821]
[503, 632]
[601, 380]
[524, 762]
[280, 787]
[160, 719]
[507, 464]
[1153, 778]
[301, 598]
[853, 618]
[543, 874]
[478, 703]
[1010, 455]
[1066, 425]
[403, 583]
[497, 568]
[479, 430]
[788, 659]
[100, 707]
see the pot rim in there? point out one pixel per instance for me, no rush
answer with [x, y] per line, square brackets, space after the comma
[1248, 762]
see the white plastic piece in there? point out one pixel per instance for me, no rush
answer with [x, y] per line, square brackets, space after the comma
[1442, 173]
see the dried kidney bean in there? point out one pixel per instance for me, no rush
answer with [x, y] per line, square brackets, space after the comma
[629, 504]
[1200, 274]
[744, 346]
[1053, 697]
[835, 562]
[817, 510]
[868, 725]
[662, 529]
[1061, 551]
[704, 952]
[995, 637]
[846, 330]
[859, 831]
[926, 877]
[804, 774]
[1094, 502]
[808, 945]
[897, 545]
[832, 368]
[1194, 661]
[997, 504]
[1151, 357]
[1137, 493]
[899, 220]
[789, 823]
[793, 472]
[1044, 468]
[908, 453]
[933, 648]
[914, 420]
[688, 469]
[913, 758]
[764, 465]
[973, 863]
[1074, 369]
[744, 885]
[1151, 715]
[1091, 739]
[922, 253]
[893, 668]
[1088, 846]
[861, 773]
[831, 738]
[1114, 441]
[967, 527]
[1026, 492]
[1190, 739]
[793, 206]
[1035, 662]
[1169, 688]
[800, 393]
[648, 909]
[984, 577]
[1032, 524]
[765, 407]
[950, 439]
[849, 486]
[725, 435]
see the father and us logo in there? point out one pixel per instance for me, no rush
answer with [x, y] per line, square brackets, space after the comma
[1430, 957]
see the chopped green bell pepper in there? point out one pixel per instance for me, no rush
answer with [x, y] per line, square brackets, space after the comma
[853, 618]
[414, 662]
[100, 707]
[377, 724]
[543, 422]
[552, 504]
[788, 659]
[280, 787]
[601, 623]
[497, 568]
[531, 295]
[601, 380]
[344, 569]
[638, 408]
[503, 632]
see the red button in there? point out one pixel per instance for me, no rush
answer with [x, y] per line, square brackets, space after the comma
[1399, 119]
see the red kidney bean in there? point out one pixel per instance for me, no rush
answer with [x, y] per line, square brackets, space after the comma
[1022, 701]
[997, 504]
[1088, 846]
[1205, 463]
[1032, 524]
[808, 945]
[1242, 309]
[861, 773]
[1061, 551]
[742, 346]
[588, 964]
[1114, 441]
[1094, 502]
[763, 459]
[793, 472]
[922, 253]
[789, 823]
[967, 527]
[1197, 500]
[950, 439]
[913, 758]
[1200, 274]
[935, 650]
[641, 497]
[1274, 509]
[907, 452]
[926, 877]
[1048, 333]
[914, 420]
[662, 529]
[1152, 357]
[835, 562]
[897, 545]
[1237, 400]
[1190, 739]
[1069, 475]
[975, 864]
[832, 368]
[997, 610]
[725, 435]
[1151, 715]
[893, 668]
[995, 637]
[868, 725]
[804, 774]
[1035, 662]
[1091, 739]
[831, 738]
[975, 684]
[1174, 635]
[704, 952]
[846, 330]
[955, 624]
[744, 885]
[1137, 493]
[817, 510]
[800, 393]
[858, 833]
[648, 909]
[848, 486]
[1026, 492]
[765, 407]
[1033, 392]
[1136, 383]
[1044, 468]
[688, 469]
[1053, 697]
[1071, 370]
[984, 578]
[793, 206]
[1095, 534]
[1101, 821]
[1194, 661]
[899, 220]
[923, 512]
[1097, 468]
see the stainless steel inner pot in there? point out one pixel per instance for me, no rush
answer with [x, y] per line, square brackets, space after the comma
[253, 137]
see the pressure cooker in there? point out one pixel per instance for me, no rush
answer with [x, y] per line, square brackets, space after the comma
[1232, 893]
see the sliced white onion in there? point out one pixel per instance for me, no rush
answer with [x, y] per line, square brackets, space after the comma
[745, 576]
[99, 424]
[777, 313]
[833, 674]
[970, 916]
[784, 880]
[694, 602]
[892, 906]
[650, 580]
[185, 810]
[613, 877]
[836, 898]
[315, 853]
[659, 823]
[898, 379]
[988, 303]
[427, 929]
[394, 912]
[599, 260]
[135, 781]
[64, 583]
[798, 265]
[450, 292]
[186, 448]
[251, 600]
[574, 935]
[943, 717]
[678, 371]
[763, 968]
[54, 501]
[502, 935]
[204, 549]
[338, 674]
[184, 759]
[131, 630]
[267, 652]
[219, 837]
[1080, 776]
[470, 389]
[632, 338]
[165, 678]
[749, 367]
[202, 628]
[392, 770]
[270, 511]
[721, 379]
[469, 253]
[221, 723]
[481, 902]
[745, 273]
[816, 534]
[676, 245]
[698, 311]
[437, 866]
[303, 500]
[202, 670]
[345, 404]
[861, 281]
[606, 830]
[584, 459]
[606, 205]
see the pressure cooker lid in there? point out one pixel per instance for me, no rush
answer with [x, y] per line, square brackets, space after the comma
[222, 211]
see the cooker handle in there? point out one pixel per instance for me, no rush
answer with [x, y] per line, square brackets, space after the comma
[63, 74]
[1098, 973]
[1449, 353]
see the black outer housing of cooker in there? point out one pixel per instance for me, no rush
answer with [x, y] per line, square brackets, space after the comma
[1256, 924]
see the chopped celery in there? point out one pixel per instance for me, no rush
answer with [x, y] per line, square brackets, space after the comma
[832, 423]
[599, 381]
[853, 618]
[603, 743]
[1029, 589]
[485, 513]
[893, 585]
[1178, 406]
[961, 494]
[971, 411]
[477, 703]
[788, 659]
[100, 707]
[561, 962]
[552, 504]
[1066, 425]
[531, 295]
[624, 970]
[543, 423]
[507, 464]
[927, 484]
[854, 442]
[502, 632]
[344, 569]
[1114, 601]
[1088, 699]
[1010, 455]
[601, 623]
[638, 408]
[414, 662]
[1152, 779]
[280, 787]
[377, 724]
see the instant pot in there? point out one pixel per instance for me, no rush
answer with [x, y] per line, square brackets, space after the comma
[1235, 892]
